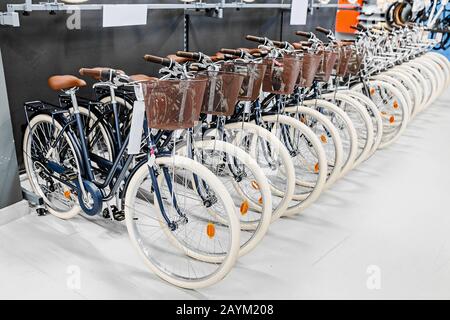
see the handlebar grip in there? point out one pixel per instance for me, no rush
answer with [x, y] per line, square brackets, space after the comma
[229, 57]
[297, 45]
[281, 44]
[99, 73]
[361, 27]
[189, 55]
[256, 39]
[305, 44]
[323, 30]
[219, 56]
[233, 52]
[256, 51]
[159, 60]
[91, 72]
[304, 34]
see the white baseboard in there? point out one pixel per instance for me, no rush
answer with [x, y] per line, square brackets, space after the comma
[14, 211]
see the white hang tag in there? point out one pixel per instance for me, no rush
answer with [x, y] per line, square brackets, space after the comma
[299, 12]
[151, 160]
[247, 107]
[134, 144]
[177, 134]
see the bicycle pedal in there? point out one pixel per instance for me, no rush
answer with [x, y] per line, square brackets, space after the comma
[41, 212]
[119, 215]
[105, 213]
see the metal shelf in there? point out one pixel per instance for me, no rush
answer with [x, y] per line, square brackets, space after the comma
[11, 18]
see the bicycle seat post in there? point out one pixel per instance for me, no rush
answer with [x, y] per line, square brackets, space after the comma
[73, 97]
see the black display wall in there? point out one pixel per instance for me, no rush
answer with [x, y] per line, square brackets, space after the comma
[42, 46]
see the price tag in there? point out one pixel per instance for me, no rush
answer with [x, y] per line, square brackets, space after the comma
[299, 11]
[134, 144]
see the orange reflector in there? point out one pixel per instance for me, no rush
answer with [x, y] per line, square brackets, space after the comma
[391, 119]
[316, 167]
[244, 207]
[255, 185]
[323, 138]
[210, 230]
[395, 104]
[260, 201]
[372, 90]
[67, 194]
[303, 119]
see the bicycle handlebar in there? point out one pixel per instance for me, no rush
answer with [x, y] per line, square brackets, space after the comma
[220, 56]
[359, 27]
[304, 34]
[159, 60]
[190, 55]
[99, 73]
[256, 51]
[282, 44]
[233, 52]
[256, 39]
[323, 30]
[305, 44]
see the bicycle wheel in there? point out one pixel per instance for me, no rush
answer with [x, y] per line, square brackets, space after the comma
[436, 71]
[124, 111]
[443, 62]
[429, 78]
[46, 165]
[392, 106]
[345, 127]
[422, 84]
[328, 135]
[308, 156]
[361, 121]
[374, 115]
[245, 182]
[176, 254]
[398, 85]
[271, 156]
[412, 88]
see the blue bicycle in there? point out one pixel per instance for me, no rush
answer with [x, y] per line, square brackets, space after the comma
[179, 215]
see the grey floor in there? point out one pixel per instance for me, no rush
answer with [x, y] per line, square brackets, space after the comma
[383, 231]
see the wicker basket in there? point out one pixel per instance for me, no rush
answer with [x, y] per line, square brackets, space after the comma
[310, 64]
[253, 76]
[326, 65]
[173, 104]
[281, 75]
[221, 94]
[345, 53]
[355, 63]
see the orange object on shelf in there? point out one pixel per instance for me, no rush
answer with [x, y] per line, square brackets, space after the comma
[360, 2]
[345, 19]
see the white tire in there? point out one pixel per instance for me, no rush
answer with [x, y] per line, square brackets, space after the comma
[182, 278]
